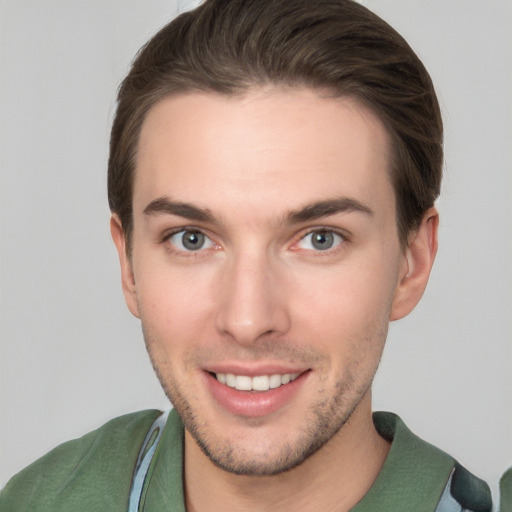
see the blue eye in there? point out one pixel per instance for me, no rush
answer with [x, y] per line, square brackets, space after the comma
[190, 240]
[320, 240]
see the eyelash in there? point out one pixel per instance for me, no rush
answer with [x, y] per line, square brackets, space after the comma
[183, 252]
[340, 239]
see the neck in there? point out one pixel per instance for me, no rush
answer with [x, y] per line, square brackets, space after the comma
[333, 479]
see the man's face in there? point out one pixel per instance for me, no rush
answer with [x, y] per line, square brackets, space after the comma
[265, 257]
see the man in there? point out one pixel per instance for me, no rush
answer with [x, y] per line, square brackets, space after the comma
[272, 178]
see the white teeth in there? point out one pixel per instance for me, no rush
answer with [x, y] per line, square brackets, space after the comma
[258, 383]
[243, 383]
[230, 380]
[275, 381]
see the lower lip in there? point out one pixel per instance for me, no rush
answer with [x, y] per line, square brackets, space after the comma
[254, 404]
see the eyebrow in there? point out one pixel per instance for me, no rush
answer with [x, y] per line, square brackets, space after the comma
[313, 211]
[165, 206]
[326, 208]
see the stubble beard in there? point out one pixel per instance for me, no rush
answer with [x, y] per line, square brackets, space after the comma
[325, 419]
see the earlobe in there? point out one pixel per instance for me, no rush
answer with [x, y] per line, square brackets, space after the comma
[418, 260]
[127, 275]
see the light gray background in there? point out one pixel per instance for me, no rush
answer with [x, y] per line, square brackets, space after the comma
[71, 355]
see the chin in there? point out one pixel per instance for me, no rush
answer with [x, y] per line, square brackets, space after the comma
[247, 453]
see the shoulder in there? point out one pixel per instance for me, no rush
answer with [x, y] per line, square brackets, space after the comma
[466, 491]
[506, 491]
[90, 473]
[425, 474]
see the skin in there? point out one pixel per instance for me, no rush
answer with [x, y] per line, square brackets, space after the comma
[259, 296]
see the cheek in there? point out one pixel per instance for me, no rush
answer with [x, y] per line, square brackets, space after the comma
[347, 308]
[350, 290]
[174, 303]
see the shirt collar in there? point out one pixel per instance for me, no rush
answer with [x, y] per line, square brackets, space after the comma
[413, 476]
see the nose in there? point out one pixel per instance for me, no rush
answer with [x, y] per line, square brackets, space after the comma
[252, 300]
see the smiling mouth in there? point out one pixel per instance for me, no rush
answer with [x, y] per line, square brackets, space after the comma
[257, 383]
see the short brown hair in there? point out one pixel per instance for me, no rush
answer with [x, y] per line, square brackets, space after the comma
[338, 46]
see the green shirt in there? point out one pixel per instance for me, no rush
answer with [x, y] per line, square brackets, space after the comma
[506, 491]
[94, 472]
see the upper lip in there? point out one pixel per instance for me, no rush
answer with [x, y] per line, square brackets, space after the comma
[253, 370]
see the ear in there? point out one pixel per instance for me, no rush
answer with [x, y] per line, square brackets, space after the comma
[418, 260]
[127, 276]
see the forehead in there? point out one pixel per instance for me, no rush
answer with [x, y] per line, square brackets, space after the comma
[270, 148]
